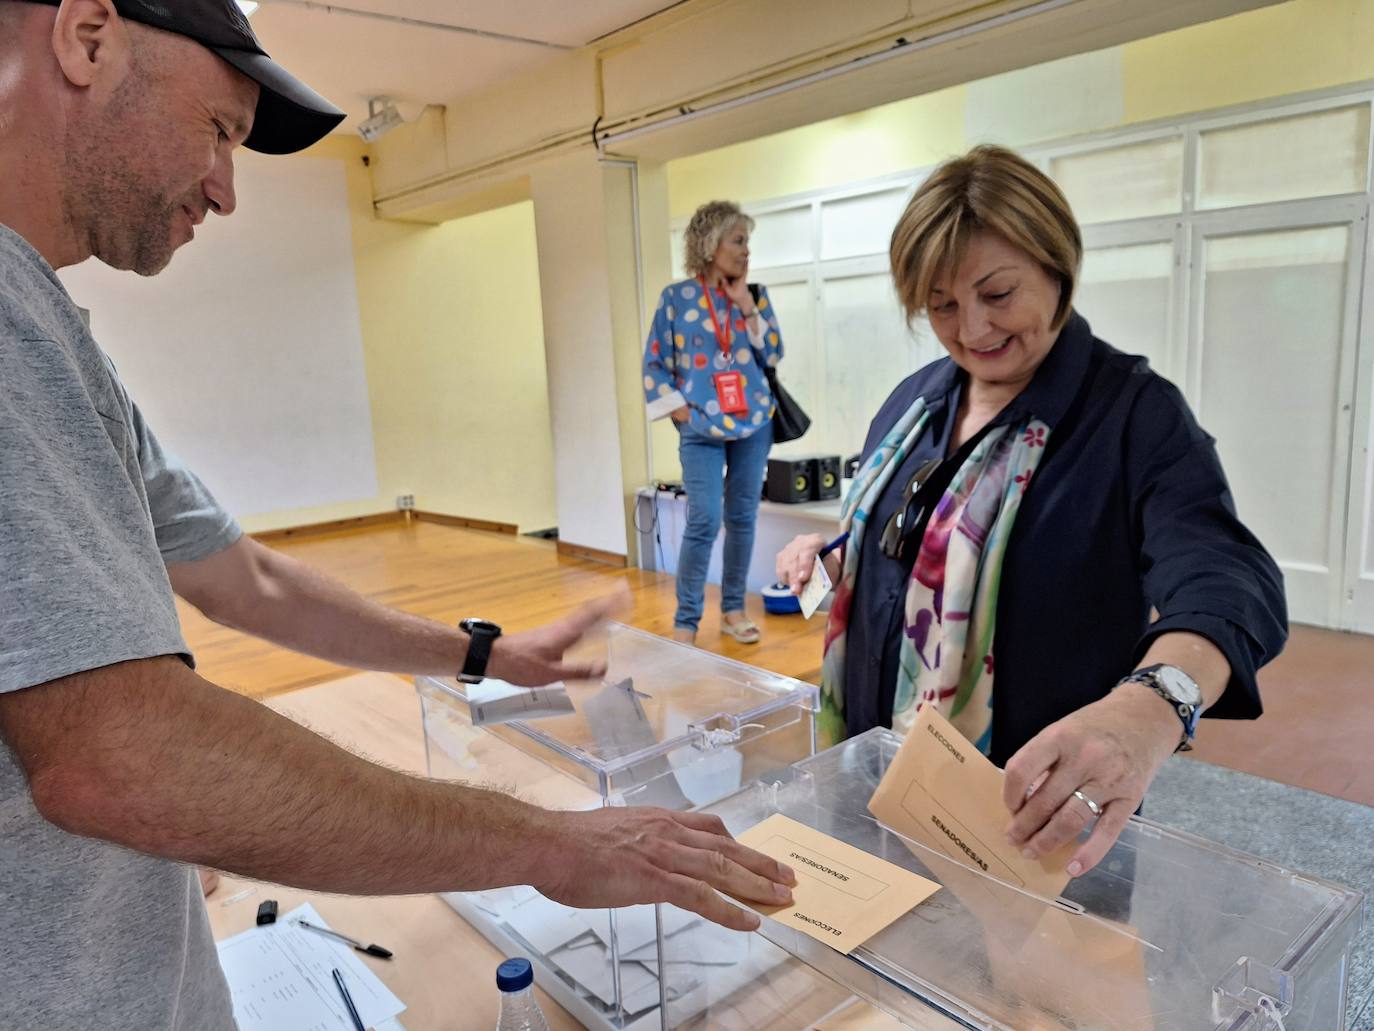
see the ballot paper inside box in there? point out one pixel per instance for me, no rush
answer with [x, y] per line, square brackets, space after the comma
[668, 726]
[1169, 932]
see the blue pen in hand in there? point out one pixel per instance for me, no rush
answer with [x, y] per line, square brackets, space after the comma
[838, 542]
[348, 1001]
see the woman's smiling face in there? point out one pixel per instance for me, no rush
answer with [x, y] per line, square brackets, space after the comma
[995, 312]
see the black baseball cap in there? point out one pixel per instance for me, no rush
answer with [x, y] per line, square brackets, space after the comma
[290, 116]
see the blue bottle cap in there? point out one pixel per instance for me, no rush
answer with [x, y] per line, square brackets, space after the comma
[514, 975]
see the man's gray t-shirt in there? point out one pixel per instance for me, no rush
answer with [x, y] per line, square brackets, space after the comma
[91, 509]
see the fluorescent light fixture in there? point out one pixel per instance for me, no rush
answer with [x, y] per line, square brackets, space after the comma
[382, 117]
[247, 7]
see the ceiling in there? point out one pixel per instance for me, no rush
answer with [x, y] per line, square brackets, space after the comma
[348, 55]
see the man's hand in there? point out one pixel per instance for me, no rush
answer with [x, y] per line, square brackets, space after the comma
[621, 856]
[533, 658]
[681, 415]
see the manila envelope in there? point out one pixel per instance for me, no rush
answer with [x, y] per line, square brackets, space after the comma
[943, 792]
[843, 895]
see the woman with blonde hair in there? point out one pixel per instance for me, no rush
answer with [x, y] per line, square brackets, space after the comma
[703, 369]
[1040, 539]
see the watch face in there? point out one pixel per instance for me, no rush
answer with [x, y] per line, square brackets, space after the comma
[1179, 684]
[485, 625]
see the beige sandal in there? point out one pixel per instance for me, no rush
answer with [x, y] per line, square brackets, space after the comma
[745, 631]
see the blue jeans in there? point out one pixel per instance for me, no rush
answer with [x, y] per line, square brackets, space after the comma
[724, 478]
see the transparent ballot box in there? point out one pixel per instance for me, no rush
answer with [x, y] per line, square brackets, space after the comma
[1168, 933]
[668, 725]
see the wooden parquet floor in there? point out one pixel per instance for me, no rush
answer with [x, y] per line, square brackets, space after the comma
[1319, 695]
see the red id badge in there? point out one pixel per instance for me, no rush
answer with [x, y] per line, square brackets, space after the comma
[730, 392]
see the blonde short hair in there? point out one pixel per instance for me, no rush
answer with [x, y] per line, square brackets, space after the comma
[993, 189]
[709, 223]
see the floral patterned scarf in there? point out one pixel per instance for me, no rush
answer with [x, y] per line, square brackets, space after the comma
[951, 600]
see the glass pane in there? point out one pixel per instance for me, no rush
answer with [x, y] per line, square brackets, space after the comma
[678, 273]
[1367, 562]
[1314, 155]
[860, 225]
[1272, 327]
[801, 370]
[781, 238]
[1135, 181]
[1124, 293]
[868, 350]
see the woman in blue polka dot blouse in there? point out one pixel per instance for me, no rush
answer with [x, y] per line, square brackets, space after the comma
[701, 369]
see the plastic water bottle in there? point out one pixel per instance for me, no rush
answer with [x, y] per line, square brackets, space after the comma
[519, 1010]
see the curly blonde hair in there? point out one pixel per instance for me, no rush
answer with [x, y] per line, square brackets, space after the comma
[989, 188]
[709, 223]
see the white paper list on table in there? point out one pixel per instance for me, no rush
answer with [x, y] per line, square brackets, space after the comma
[280, 979]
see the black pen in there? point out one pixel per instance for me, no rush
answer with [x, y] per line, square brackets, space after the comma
[348, 1001]
[371, 950]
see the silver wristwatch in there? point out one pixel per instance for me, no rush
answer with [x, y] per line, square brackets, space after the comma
[1179, 690]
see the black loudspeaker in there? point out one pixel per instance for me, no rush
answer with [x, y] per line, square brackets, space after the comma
[825, 479]
[794, 480]
[851, 466]
[789, 480]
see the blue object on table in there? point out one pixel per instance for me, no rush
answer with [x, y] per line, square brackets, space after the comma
[778, 600]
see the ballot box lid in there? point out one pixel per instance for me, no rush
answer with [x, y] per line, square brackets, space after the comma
[668, 724]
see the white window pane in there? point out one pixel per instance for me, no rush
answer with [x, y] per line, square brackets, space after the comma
[1367, 563]
[781, 238]
[868, 350]
[1124, 293]
[1135, 181]
[678, 272]
[801, 370]
[1314, 155]
[860, 225]
[1270, 392]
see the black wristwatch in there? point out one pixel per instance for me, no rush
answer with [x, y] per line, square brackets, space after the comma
[1179, 690]
[482, 633]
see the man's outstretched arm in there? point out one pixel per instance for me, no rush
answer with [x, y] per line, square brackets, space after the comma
[262, 592]
[150, 756]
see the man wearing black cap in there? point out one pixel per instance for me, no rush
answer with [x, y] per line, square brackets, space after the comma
[118, 765]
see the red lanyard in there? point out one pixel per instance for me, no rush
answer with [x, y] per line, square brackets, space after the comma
[724, 335]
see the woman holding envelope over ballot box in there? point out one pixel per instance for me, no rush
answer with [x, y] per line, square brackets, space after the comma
[1040, 540]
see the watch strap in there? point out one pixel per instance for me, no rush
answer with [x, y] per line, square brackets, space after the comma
[1187, 713]
[481, 636]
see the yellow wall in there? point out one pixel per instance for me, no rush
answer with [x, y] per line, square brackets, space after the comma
[453, 346]
[1293, 47]
[455, 359]
[1302, 45]
[877, 142]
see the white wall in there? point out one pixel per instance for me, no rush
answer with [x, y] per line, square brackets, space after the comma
[246, 353]
[575, 289]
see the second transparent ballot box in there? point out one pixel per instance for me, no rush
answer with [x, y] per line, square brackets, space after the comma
[1168, 933]
[668, 725]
